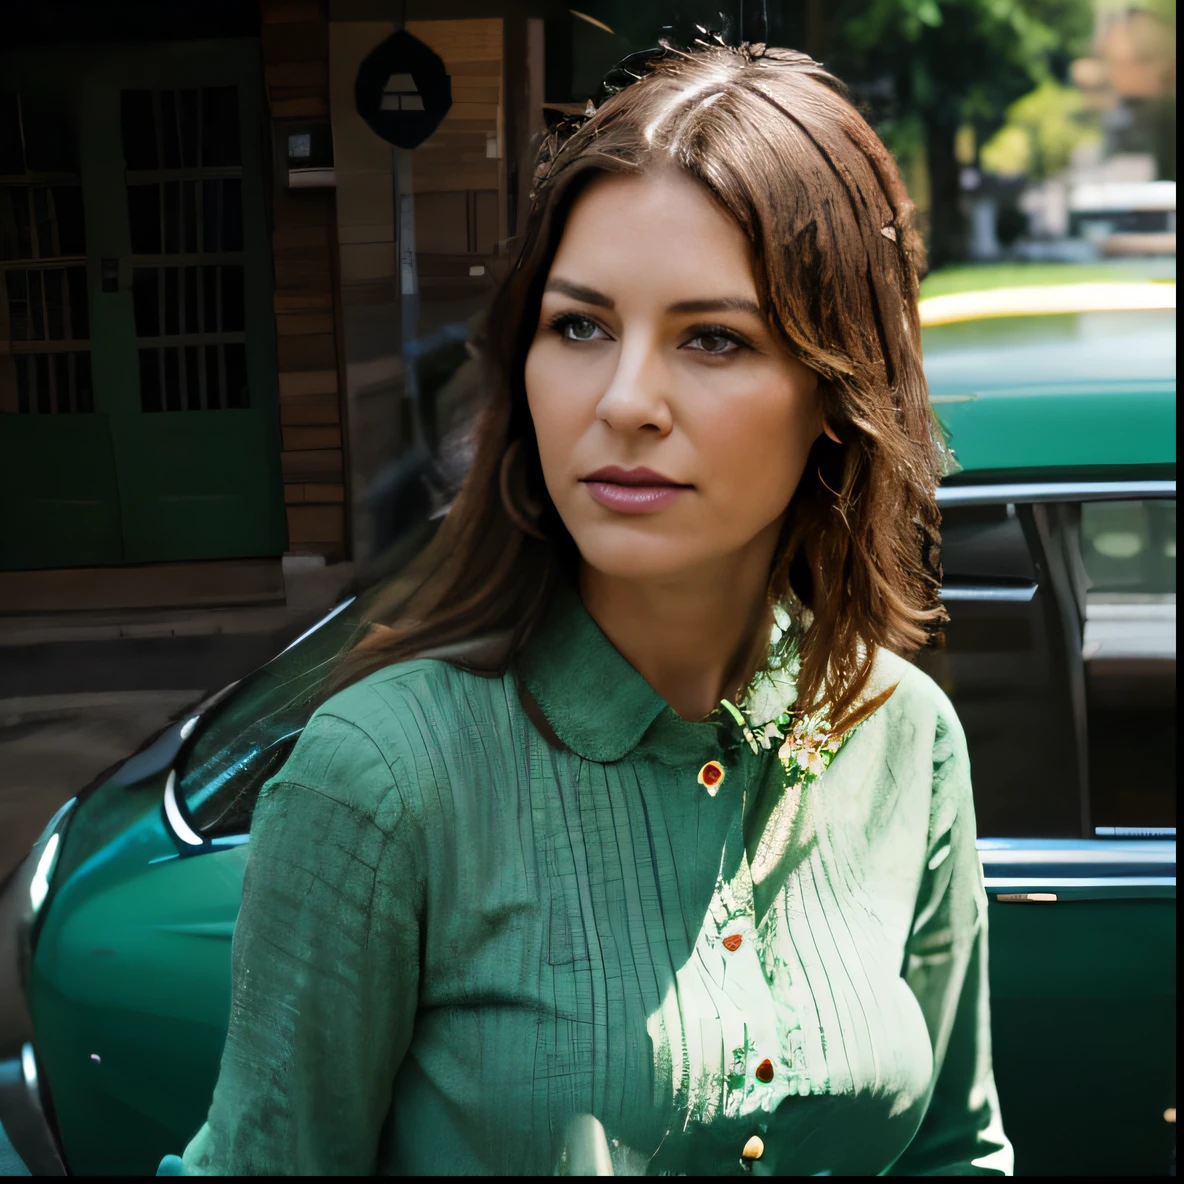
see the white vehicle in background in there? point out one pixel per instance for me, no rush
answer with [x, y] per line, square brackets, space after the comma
[1125, 217]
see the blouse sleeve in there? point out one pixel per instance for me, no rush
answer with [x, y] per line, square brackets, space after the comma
[946, 968]
[325, 969]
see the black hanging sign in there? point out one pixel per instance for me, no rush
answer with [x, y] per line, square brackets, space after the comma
[402, 90]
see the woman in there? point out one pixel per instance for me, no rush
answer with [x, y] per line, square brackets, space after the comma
[630, 808]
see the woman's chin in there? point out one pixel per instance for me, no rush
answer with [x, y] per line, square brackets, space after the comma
[626, 552]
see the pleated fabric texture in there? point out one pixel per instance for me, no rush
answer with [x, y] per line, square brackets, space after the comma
[458, 935]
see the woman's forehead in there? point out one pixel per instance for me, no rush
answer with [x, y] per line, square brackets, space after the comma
[659, 228]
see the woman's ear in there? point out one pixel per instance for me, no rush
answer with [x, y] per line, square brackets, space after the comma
[830, 432]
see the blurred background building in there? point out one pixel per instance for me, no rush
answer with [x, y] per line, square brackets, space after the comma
[233, 318]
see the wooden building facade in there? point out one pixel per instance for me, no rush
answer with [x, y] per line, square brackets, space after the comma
[212, 269]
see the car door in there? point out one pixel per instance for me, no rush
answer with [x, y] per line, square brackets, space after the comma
[1060, 659]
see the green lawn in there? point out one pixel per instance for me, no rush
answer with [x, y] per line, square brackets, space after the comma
[978, 277]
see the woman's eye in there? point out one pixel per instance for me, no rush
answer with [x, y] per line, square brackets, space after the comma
[715, 344]
[576, 328]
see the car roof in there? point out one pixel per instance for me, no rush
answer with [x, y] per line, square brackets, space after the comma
[1052, 393]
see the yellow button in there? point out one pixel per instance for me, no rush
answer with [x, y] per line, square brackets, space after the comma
[754, 1148]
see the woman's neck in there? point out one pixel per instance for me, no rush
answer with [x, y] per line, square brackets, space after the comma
[696, 637]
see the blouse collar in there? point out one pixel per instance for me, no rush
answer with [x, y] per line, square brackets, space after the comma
[601, 708]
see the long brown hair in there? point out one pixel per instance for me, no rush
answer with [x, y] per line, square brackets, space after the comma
[774, 138]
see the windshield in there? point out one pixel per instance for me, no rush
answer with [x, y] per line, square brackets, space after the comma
[247, 737]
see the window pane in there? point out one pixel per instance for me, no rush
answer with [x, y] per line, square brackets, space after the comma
[192, 379]
[146, 300]
[232, 216]
[79, 310]
[190, 320]
[61, 379]
[241, 742]
[172, 379]
[220, 139]
[189, 239]
[17, 284]
[172, 301]
[209, 290]
[213, 378]
[54, 283]
[67, 202]
[172, 217]
[188, 120]
[16, 232]
[1129, 547]
[41, 369]
[209, 215]
[143, 209]
[236, 376]
[232, 299]
[1128, 551]
[43, 226]
[1002, 661]
[139, 129]
[170, 129]
[36, 308]
[150, 380]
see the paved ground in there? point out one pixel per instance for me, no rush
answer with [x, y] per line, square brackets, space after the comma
[52, 745]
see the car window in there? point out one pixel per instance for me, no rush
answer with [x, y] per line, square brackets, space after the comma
[1128, 575]
[249, 735]
[1008, 664]
[1129, 548]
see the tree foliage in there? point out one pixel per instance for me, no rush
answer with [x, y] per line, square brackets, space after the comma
[1040, 133]
[922, 69]
[953, 63]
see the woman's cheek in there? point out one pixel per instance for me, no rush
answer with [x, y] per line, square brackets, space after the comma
[751, 456]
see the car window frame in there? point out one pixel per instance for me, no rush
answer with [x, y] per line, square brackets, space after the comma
[1053, 497]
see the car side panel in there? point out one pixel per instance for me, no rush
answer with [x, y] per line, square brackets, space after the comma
[1083, 1008]
[130, 999]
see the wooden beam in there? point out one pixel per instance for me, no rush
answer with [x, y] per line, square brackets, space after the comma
[307, 382]
[300, 439]
[310, 413]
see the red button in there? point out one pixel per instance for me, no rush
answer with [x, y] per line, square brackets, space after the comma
[711, 774]
[732, 941]
[764, 1071]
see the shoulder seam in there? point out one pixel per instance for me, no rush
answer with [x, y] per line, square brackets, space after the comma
[392, 788]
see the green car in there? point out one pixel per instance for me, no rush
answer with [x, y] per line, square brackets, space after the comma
[1059, 555]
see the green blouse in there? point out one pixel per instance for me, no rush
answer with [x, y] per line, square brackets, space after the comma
[476, 908]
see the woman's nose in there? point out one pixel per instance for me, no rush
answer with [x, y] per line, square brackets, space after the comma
[638, 396]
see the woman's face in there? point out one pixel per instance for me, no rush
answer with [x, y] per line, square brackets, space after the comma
[673, 427]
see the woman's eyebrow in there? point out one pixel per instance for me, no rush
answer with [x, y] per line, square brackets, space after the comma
[578, 292]
[592, 296]
[723, 304]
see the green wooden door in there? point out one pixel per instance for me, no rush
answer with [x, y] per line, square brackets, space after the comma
[182, 424]
[59, 497]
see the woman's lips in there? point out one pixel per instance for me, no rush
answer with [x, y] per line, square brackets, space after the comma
[632, 491]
